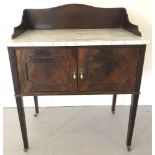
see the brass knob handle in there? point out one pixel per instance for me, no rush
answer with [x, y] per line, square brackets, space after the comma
[81, 76]
[74, 75]
[81, 72]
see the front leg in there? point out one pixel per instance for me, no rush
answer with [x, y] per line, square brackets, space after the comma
[21, 114]
[132, 116]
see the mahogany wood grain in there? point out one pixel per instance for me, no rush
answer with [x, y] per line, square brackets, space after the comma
[75, 16]
[109, 68]
[46, 69]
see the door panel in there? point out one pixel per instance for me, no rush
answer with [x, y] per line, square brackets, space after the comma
[108, 68]
[47, 69]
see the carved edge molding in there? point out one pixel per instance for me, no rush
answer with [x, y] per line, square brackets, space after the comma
[59, 58]
[126, 24]
[22, 27]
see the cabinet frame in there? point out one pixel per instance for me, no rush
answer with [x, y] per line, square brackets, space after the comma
[77, 69]
[68, 17]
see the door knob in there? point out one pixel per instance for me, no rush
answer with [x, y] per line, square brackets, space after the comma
[74, 75]
[81, 72]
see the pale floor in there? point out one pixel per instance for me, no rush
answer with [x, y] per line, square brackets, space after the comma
[91, 130]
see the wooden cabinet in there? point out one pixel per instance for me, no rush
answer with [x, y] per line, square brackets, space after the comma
[76, 49]
[78, 69]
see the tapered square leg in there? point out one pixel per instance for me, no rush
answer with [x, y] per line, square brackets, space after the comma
[132, 116]
[113, 103]
[36, 106]
[21, 114]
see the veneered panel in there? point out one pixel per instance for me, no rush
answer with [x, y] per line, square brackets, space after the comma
[46, 69]
[108, 68]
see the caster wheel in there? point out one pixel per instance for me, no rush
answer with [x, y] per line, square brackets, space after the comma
[25, 150]
[129, 148]
[36, 114]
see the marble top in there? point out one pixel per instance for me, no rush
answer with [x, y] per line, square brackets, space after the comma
[76, 37]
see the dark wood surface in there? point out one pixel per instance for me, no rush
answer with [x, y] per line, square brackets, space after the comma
[75, 16]
[113, 103]
[132, 116]
[47, 69]
[140, 68]
[108, 68]
[105, 69]
[14, 70]
[19, 99]
[22, 120]
[36, 105]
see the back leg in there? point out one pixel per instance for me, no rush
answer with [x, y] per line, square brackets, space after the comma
[113, 103]
[36, 106]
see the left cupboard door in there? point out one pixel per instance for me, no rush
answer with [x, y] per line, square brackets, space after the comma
[47, 70]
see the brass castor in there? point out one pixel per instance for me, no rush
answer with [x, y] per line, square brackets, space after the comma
[113, 112]
[36, 114]
[129, 148]
[25, 150]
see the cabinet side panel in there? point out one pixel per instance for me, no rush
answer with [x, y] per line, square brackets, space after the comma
[13, 65]
[140, 67]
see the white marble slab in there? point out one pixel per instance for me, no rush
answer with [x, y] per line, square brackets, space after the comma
[76, 37]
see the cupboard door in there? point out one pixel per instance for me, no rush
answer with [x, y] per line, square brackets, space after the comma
[47, 69]
[108, 68]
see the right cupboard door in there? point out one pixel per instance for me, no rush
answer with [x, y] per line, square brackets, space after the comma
[108, 68]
